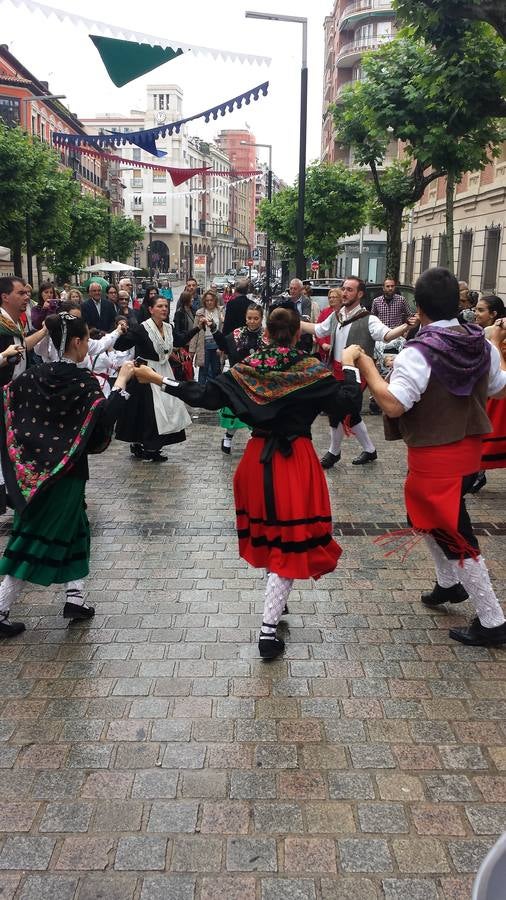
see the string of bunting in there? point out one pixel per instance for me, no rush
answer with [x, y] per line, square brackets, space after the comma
[146, 139]
[128, 34]
[194, 191]
[178, 175]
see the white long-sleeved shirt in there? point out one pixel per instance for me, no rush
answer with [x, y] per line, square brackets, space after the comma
[376, 329]
[411, 372]
[48, 352]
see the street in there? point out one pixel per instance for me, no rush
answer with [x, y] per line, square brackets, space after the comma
[151, 754]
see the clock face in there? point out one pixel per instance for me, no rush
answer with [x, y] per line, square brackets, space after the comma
[160, 116]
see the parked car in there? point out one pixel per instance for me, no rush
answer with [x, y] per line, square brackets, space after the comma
[219, 283]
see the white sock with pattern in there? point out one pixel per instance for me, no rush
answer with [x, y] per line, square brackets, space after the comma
[336, 439]
[276, 595]
[362, 435]
[447, 570]
[10, 589]
[74, 592]
[476, 580]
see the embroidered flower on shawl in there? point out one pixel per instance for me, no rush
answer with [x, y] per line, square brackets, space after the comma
[272, 358]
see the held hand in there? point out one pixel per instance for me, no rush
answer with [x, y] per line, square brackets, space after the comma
[122, 327]
[413, 321]
[125, 374]
[498, 333]
[353, 351]
[146, 375]
[13, 350]
[326, 347]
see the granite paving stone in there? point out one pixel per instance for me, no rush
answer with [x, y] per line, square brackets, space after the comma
[150, 754]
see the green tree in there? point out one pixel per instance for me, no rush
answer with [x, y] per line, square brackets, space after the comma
[442, 111]
[336, 205]
[124, 234]
[88, 229]
[438, 19]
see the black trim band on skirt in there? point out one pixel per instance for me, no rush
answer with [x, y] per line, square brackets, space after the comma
[46, 561]
[492, 457]
[285, 546]
[20, 533]
[284, 522]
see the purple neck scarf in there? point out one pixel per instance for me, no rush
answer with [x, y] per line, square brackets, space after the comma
[458, 358]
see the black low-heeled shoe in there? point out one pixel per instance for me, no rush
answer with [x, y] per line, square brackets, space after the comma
[10, 629]
[224, 448]
[270, 647]
[77, 612]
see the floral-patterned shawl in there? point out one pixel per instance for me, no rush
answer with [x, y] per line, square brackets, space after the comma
[48, 416]
[273, 372]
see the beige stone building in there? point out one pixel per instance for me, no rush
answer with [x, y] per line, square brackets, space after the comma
[480, 227]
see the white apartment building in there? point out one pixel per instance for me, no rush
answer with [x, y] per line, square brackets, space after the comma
[152, 200]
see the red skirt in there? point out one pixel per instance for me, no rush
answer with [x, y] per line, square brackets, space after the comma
[289, 533]
[433, 490]
[493, 454]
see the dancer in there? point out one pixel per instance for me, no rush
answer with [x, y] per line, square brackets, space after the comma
[153, 420]
[493, 449]
[46, 468]
[435, 401]
[354, 325]
[286, 527]
[238, 345]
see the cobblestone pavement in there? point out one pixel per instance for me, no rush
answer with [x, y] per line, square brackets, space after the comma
[152, 755]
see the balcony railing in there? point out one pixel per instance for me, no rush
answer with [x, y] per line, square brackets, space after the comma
[362, 45]
[136, 207]
[364, 6]
[136, 182]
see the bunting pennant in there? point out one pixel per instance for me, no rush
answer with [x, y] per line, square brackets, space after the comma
[125, 60]
[96, 27]
[178, 175]
[146, 139]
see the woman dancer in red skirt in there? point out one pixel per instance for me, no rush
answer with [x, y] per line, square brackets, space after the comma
[489, 310]
[284, 522]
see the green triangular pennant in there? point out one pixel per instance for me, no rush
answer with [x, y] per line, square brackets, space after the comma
[127, 60]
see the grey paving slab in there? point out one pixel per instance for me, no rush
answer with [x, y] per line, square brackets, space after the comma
[153, 755]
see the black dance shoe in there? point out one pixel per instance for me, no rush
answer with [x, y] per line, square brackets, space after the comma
[329, 460]
[154, 456]
[136, 451]
[10, 629]
[364, 458]
[438, 595]
[270, 647]
[476, 635]
[224, 448]
[3, 500]
[78, 613]
[479, 482]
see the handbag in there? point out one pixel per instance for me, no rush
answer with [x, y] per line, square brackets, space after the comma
[181, 363]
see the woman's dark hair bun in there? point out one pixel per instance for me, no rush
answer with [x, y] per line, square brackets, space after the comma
[283, 324]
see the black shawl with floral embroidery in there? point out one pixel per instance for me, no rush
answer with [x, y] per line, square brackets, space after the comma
[49, 414]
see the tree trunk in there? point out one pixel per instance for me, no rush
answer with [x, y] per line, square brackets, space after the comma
[38, 261]
[450, 189]
[17, 260]
[394, 226]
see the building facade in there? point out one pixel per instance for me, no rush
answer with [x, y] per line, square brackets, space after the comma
[194, 213]
[239, 146]
[349, 31]
[479, 229]
[27, 102]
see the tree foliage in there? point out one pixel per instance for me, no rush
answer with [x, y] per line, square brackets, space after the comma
[336, 203]
[88, 229]
[438, 20]
[441, 109]
[124, 234]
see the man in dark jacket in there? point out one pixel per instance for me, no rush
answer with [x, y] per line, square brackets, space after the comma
[97, 311]
[235, 315]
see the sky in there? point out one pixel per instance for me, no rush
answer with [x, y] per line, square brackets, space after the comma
[63, 55]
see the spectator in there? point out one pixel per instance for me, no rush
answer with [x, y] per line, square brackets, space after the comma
[203, 344]
[235, 313]
[98, 312]
[46, 304]
[391, 308]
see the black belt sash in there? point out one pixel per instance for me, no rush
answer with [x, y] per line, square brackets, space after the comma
[274, 443]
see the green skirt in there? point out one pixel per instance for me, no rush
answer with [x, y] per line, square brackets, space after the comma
[229, 421]
[50, 540]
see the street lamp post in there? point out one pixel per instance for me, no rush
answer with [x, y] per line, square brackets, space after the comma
[268, 249]
[300, 259]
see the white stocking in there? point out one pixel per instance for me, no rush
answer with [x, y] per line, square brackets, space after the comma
[227, 439]
[476, 580]
[362, 436]
[447, 570]
[74, 591]
[276, 595]
[10, 590]
[336, 439]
